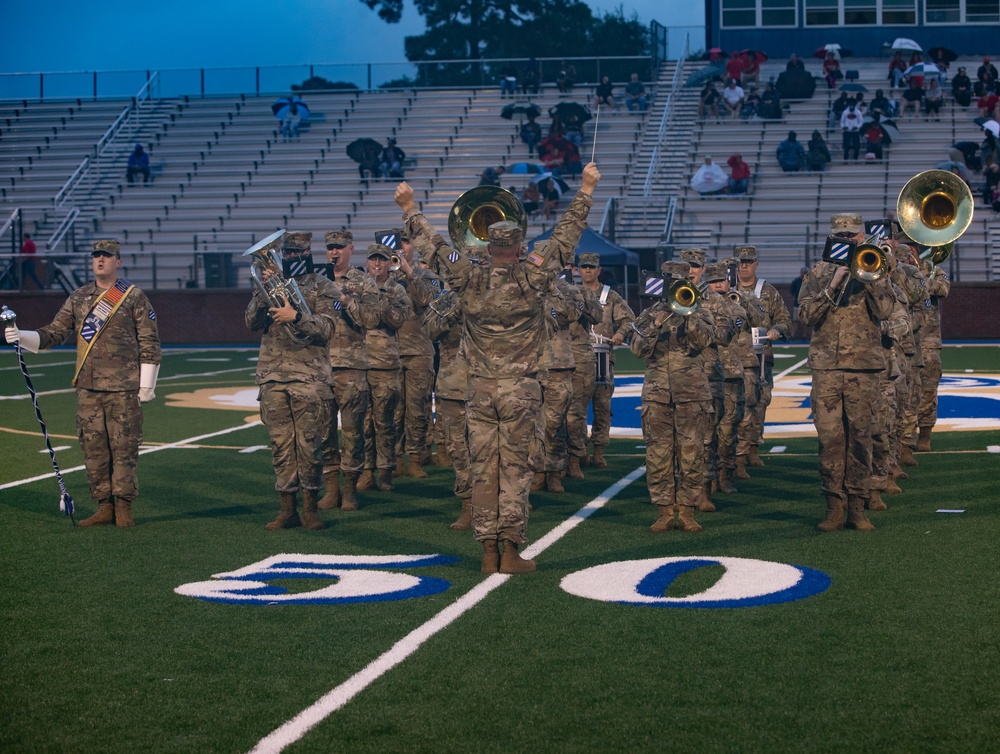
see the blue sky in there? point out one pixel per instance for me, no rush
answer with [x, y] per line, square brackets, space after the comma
[82, 35]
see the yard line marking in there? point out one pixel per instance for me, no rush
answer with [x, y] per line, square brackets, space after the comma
[168, 446]
[164, 352]
[790, 369]
[63, 391]
[336, 698]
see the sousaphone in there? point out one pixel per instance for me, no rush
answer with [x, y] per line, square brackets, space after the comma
[477, 209]
[934, 209]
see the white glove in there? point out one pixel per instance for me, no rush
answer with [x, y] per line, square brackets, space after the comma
[147, 381]
[28, 338]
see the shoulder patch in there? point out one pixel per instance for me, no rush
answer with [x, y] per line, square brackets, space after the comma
[152, 315]
[739, 323]
[536, 259]
[453, 257]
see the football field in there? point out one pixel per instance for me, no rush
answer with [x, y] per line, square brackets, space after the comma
[199, 631]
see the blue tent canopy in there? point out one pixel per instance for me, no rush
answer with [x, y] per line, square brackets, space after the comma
[592, 242]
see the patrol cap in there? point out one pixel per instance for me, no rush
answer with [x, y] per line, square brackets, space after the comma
[297, 241]
[379, 250]
[108, 247]
[846, 222]
[339, 238]
[716, 272]
[694, 257]
[505, 233]
[589, 260]
[745, 252]
[676, 270]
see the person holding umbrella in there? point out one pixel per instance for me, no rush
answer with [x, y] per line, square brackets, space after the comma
[897, 66]
[831, 69]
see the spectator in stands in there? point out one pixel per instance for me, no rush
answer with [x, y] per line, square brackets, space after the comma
[837, 109]
[739, 176]
[791, 155]
[831, 69]
[961, 88]
[880, 105]
[770, 103]
[912, 97]
[550, 197]
[574, 131]
[751, 105]
[941, 62]
[933, 98]
[751, 70]
[896, 68]
[635, 94]
[391, 165]
[491, 176]
[530, 78]
[531, 200]
[531, 133]
[138, 164]
[28, 265]
[508, 80]
[709, 102]
[850, 125]
[732, 98]
[818, 154]
[552, 151]
[859, 100]
[572, 164]
[991, 189]
[795, 64]
[987, 69]
[987, 105]
[709, 179]
[734, 67]
[874, 139]
[989, 150]
[290, 123]
[566, 78]
[604, 94]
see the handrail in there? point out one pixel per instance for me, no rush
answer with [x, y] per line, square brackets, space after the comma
[668, 224]
[60, 232]
[667, 117]
[607, 211]
[10, 221]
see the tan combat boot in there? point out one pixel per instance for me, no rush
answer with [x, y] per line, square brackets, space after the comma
[287, 518]
[725, 484]
[400, 465]
[105, 515]
[741, 468]
[538, 482]
[310, 519]
[856, 518]
[464, 520]
[413, 467]
[491, 557]
[705, 505]
[553, 482]
[348, 495]
[123, 514]
[331, 498]
[512, 562]
[597, 460]
[665, 521]
[834, 515]
[425, 457]
[443, 459]
[875, 502]
[366, 481]
[385, 480]
[906, 456]
[685, 519]
[573, 469]
[893, 488]
[924, 441]
[754, 459]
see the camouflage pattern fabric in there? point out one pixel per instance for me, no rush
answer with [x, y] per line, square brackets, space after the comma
[557, 393]
[584, 390]
[733, 406]
[361, 313]
[109, 425]
[675, 451]
[417, 382]
[380, 425]
[451, 416]
[351, 397]
[296, 415]
[845, 418]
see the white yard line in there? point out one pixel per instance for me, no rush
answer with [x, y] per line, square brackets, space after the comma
[247, 368]
[790, 369]
[335, 699]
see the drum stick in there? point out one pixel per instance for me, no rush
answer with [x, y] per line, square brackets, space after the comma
[593, 149]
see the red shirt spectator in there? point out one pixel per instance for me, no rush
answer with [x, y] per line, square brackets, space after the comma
[734, 67]
[987, 104]
[29, 246]
[739, 167]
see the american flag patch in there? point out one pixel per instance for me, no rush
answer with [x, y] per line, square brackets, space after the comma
[453, 257]
[654, 286]
[536, 259]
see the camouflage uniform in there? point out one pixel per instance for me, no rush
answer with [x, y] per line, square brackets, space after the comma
[383, 374]
[938, 287]
[895, 330]
[675, 404]
[503, 342]
[349, 363]
[915, 286]
[846, 357]
[108, 416]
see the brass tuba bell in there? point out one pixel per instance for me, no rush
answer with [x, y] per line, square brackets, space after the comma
[477, 209]
[267, 275]
[934, 209]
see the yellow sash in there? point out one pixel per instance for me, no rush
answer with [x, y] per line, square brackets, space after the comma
[97, 318]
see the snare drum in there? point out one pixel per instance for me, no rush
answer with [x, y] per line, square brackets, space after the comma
[603, 353]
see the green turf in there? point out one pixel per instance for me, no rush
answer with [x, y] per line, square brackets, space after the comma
[100, 654]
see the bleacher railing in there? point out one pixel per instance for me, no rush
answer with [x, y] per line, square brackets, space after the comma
[666, 118]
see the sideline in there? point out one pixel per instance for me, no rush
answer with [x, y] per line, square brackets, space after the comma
[146, 451]
[790, 369]
[333, 700]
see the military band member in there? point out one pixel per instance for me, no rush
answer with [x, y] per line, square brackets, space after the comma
[778, 323]
[917, 288]
[117, 362]
[355, 311]
[614, 327]
[293, 372]
[383, 368]
[938, 287]
[846, 357]
[504, 307]
[676, 407]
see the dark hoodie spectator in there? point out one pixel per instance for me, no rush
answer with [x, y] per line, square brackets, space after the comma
[770, 103]
[138, 164]
[791, 155]
[819, 153]
[880, 105]
[961, 88]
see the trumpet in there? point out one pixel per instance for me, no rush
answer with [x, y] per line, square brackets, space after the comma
[934, 208]
[734, 296]
[683, 298]
[869, 263]
[266, 273]
[394, 263]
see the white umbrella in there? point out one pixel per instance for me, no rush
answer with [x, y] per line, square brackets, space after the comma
[902, 43]
[993, 127]
[834, 48]
[923, 69]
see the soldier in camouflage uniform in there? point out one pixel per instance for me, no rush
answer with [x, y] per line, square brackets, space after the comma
[615, 325]
[938, 287]
[293, 372]
[117, 361]
[504, 307]
[383, 368]
[355, 312]
[416, 358]
[779, 324]
[846, 357]
[919, 305]
[676, 408]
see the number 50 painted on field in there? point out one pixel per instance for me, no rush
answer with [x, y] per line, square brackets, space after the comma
[365, 578]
